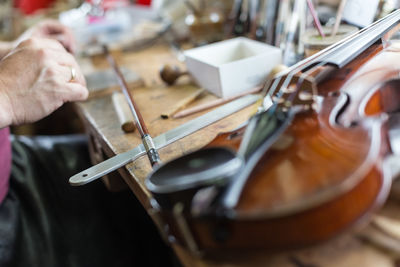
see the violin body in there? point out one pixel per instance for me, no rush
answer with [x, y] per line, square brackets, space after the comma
[323, 174]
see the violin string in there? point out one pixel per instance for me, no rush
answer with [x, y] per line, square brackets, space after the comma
[289, 76]
[287, 81]
[299, 83]
[302, 65]
[302, 77]
[335, 47]
[342, 42]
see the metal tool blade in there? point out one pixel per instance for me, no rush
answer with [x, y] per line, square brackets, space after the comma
[162, 140]
[103, 79]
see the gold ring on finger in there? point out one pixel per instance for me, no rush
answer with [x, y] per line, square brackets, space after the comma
[73, 74]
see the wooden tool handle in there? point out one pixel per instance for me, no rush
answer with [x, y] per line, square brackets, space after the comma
[212, 104]
[124, 114]
[169, 74]
[181, 104]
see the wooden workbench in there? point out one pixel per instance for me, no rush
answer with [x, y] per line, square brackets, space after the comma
[107, 139]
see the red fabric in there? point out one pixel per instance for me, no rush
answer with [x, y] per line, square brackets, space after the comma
[31, 6]
[144, 2]
[5, 162]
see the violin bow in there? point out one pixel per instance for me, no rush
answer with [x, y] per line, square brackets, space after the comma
[147, 140]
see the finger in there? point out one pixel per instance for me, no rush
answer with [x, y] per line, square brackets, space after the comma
[51, 29]
[65, 62]
[72, 75]
[53, 44]
[75, 92]
[42, 43]
[52, 26]
[67, 40]
[54, 29]
[66, 74]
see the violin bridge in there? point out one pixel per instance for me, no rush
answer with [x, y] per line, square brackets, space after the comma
[300, 91]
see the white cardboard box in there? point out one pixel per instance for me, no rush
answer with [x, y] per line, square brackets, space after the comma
[230, 67]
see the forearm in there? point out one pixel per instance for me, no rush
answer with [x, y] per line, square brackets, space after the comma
[5, 118]
[5, 107]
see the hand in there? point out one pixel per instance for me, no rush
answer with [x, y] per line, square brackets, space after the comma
[50, 29]
[35, 81]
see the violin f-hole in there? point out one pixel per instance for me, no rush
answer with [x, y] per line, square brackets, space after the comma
[386, 99]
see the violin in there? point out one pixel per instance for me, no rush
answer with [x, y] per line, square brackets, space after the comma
[306, 167]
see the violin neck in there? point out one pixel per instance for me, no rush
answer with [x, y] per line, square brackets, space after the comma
[351, 48]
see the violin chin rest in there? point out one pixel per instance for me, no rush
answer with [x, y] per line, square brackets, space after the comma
[181, 178]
